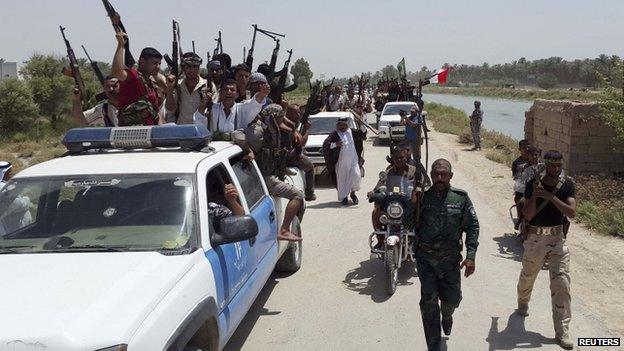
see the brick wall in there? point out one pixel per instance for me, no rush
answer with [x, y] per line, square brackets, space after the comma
[575, 129]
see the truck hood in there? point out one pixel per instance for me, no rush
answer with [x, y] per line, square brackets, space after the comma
[390, 118]
[81, 301]
[316, 140]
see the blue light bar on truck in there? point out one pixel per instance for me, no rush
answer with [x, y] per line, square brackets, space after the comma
[191, 136]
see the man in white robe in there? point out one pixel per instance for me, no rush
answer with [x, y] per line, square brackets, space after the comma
[343, 151]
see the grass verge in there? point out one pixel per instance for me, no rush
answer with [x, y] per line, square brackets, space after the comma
[446, 119]
[601, 203]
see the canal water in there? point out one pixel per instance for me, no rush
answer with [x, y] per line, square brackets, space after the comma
[502, 115]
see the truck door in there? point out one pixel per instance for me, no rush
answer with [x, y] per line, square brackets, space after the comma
[261, 207]
[233, 263]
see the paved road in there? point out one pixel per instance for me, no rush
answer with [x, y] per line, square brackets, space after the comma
[337, 300]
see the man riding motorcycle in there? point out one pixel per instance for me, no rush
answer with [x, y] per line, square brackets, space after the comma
[400, 156]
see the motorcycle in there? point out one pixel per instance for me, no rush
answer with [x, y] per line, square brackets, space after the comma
[393, 199]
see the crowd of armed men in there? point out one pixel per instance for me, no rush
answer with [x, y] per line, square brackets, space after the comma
[245, 106]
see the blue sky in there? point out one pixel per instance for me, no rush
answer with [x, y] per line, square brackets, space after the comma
[338, 38]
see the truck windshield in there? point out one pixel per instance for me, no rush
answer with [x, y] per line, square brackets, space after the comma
[325, 125]
[395, 109]
[97, 213]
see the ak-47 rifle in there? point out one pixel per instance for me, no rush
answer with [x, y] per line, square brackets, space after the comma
[219, 49]
[94, 65]
[98, 73]
[421, 107]
[273, 61]
[279, 90]
[312, 106]
[73, 70]
[249, 60]
[272, 35]
[119, 27]
[174, 62]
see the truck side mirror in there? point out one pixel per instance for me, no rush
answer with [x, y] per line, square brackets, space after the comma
[235, 229]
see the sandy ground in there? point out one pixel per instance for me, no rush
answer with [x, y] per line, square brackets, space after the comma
[337, 300]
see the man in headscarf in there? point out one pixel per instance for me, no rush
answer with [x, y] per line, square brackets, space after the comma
[5, 172]
[184, 96]
[343, 156]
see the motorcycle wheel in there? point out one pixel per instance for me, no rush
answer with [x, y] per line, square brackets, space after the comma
[392, 271]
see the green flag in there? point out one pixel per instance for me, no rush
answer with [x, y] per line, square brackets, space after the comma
[401, 68]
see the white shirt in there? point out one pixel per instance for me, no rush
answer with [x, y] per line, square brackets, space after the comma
[241, 114]
[95, 116]
[187, 101]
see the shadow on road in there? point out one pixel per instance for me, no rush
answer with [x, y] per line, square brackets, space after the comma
[332, 204]
[509, 246]
[514, 335]
[257, 309]
[369, 279]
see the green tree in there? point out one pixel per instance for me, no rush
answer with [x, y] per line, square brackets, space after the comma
[301, 72]
[17, 108]
[611, 105]
[547, 81]
[52, 89]
[390, 71]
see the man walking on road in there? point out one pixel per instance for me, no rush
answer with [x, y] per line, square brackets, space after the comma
[343, 154]
[549, 202]
[475, 125]
[447, 212]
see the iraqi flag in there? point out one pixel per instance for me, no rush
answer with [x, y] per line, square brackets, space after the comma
[440, 77]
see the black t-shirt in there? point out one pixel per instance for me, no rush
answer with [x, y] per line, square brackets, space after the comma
[515, 166]
[550, 214]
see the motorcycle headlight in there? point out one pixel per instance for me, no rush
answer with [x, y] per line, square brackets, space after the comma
[395, 210]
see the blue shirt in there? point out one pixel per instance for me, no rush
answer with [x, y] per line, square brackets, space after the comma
[413, 133]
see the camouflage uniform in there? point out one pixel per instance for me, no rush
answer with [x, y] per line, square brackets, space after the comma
[438, 255]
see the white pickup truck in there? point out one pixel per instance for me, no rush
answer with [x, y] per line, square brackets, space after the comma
[389, 122]
[321, 125]
[115, 248]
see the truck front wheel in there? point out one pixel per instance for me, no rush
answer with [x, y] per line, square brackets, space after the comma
[291, 259]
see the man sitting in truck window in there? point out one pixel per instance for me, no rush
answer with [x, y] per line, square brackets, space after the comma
[223, 198]
[232, 207]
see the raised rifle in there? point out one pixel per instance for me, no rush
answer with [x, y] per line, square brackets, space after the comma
[276, 94]
[173, 62]
[273, 62]
[249, 60]
[73, 66]
[219, 49]
[193, 43]
[98, 73]
[272, 35]
[119, 27]
[94, 65]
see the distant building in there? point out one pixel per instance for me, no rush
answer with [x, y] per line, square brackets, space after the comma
[8, 70]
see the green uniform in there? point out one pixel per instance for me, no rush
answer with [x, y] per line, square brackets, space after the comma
[438, 255]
